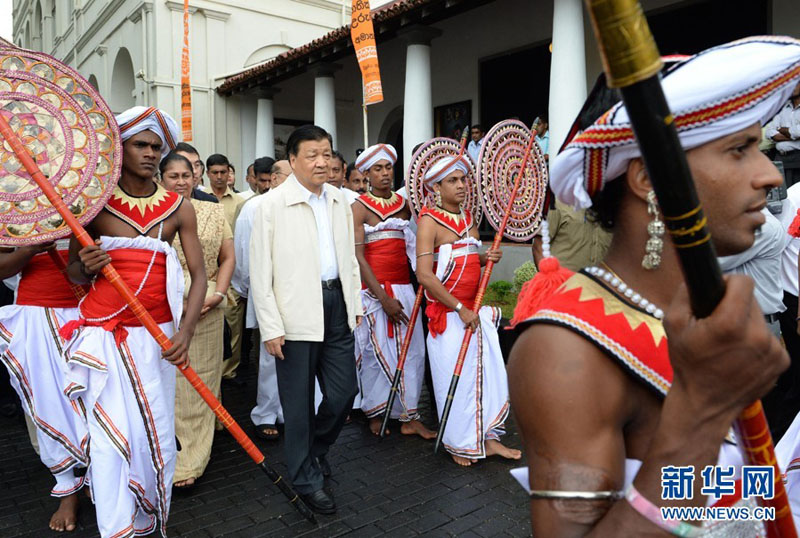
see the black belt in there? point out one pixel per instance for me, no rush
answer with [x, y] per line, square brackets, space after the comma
[771, 318]
[333, 284]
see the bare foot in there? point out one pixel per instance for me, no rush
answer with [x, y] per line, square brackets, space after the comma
[464, 462]
[66, 517]
[496, 448]
[415, 427]
[375, 426]
[184, 483]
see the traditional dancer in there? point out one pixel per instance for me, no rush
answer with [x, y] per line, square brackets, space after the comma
[603, 401]
[113, 363]
[451, 282]
[31, 349]
[384, 242]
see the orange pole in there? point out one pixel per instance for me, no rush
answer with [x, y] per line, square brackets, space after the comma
[487, 273]
[140, 312]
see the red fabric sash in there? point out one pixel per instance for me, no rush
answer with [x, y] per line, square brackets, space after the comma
[465, 291]
[387, 258]
[43, 284]
[103, 300]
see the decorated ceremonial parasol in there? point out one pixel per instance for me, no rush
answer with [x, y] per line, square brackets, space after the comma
[69, 132]
[500, 160]
[60, 159]
[422, 159]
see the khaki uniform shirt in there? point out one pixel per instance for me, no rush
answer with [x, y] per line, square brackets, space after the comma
[574, 240]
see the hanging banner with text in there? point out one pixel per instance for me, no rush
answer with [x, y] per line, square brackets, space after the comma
[363, 36]
[186, 86]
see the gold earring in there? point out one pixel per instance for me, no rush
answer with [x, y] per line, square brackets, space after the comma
[655, 229]
[439, 198]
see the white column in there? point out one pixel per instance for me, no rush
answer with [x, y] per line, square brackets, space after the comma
[325, 99]
[417, 97]
[265, 124]
[567, 69]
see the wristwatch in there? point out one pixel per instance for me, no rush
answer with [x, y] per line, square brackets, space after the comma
[458, 307]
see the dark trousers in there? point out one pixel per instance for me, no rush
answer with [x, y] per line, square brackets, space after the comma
[782, 403]
[332, 361]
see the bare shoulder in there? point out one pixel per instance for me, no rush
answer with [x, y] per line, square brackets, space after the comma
[552, 364]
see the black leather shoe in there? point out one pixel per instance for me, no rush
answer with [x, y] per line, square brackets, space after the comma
[324, 466]
[320, 502]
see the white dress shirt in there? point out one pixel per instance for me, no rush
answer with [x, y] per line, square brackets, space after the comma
[328, 267]
[247, 193]
[763, 263]
[788, 117]
[474, 150]
[544, 142]
[350, 194]
[790, 255]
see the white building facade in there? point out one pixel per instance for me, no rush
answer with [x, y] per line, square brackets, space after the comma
[261, 67]
[130, 50]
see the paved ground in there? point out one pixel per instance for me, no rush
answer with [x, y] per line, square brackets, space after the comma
[396, 487]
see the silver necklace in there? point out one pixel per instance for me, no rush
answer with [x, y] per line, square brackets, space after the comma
[625, 290]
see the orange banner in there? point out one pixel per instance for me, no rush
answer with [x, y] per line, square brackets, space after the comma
[186, 86]
[363, 36]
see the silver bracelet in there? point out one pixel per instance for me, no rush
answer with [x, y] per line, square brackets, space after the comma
[221, 294]
[577, 495]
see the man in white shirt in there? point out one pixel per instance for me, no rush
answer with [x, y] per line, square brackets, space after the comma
[474, 147]
[250, 178]
[762, 263]
[267, 413]
[783, 402]
[305, 285]
[542, 135]
[784, 130]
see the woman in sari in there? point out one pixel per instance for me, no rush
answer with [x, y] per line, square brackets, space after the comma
[194, 421]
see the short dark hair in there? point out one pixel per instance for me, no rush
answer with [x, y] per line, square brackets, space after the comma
[172, 157]
[348, 171]
[232, 167]
[478, 127]
[263, 165]
[186, 148]
[337, 155]
[305, 133]
[217, 159]
[543, 117]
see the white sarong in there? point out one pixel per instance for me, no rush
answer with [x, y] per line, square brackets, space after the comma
[129, 393]
[480, 406]
[31, 349]
[377, 353]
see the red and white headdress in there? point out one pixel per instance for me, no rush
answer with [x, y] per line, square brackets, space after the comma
[373, 154]
[712, 94]
[443, 167]
[141, 118]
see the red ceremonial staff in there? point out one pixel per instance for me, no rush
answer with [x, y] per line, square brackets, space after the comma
[412, 321]
[147, 320]
[487, 273]
[632, 64]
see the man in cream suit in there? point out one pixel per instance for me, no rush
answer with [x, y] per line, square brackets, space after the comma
[305, 284]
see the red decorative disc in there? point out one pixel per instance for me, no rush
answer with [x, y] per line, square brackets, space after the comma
[501, 156]
[72, 136]
[427, 154]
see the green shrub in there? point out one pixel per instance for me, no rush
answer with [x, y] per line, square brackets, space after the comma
[522, 274]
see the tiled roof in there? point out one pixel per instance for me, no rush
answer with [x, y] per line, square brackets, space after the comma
[331, 46]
